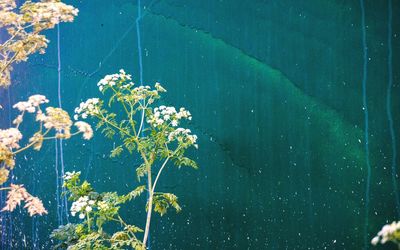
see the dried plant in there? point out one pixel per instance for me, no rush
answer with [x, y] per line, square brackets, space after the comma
[52, 123]
[24, 27]
[17, 194]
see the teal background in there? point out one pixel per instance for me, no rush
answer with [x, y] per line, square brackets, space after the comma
[275, 89]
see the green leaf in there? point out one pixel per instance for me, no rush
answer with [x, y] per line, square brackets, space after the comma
[133, 229]
[162, 201]
[160, 206]
[141, 171]
[173, 201]
[116, 151]
[133, 194]
[129, 144]
[65, 235]
[137, 191]
[99, 124]
[108, 132]
[184, 161]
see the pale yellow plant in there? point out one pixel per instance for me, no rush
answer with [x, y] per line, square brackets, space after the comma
[53, 123]
[17, 194]
[24, 26]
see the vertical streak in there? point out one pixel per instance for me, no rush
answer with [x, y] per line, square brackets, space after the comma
[3, 219]
[139, 44]
[139, 47]
[63, 201]
[59, 66]
[139, 16]
[33, 224]
[10, 220]
[59, 212]
[57, 185]
[389, 108]
[4, 216]
[366, 125]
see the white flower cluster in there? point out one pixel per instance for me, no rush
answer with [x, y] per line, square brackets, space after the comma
[82, 205]
[90, 107]
[141, 92]
[33, 102]
[111, 80]
[389, 232]
[69, 175]
[84, 128]
[168, 115]
[9, 138]
[183, 135]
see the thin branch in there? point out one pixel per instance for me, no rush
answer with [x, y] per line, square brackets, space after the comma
[29, 145]
[159, 173]
[142, 118]
[101, 117]
[163, 166]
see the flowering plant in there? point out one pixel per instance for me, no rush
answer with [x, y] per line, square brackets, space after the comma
[159, 142]
[389, 232]
[52, 123]
[24, 27]
[96, 210]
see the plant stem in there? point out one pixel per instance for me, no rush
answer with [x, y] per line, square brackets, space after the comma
[150, 201]
[9, 63]
[88, 221]
[159, 173]
[29, 145]
[102, 118]
[163, 166]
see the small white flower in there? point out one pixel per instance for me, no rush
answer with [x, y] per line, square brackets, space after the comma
[81, 216]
